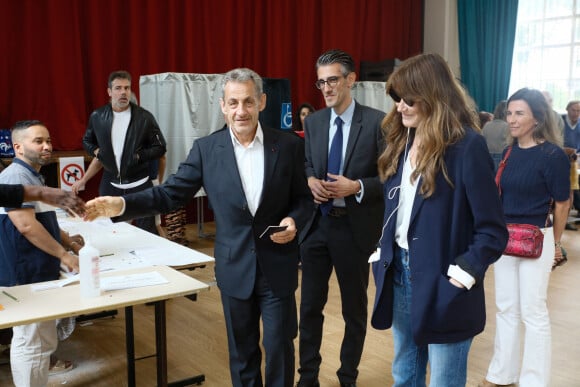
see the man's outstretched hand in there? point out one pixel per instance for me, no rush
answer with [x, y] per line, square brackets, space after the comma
[107, 206]
[68, 201]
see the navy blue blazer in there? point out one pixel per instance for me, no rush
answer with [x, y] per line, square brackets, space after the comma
[462, 225]
[211, 163]
[365, 144]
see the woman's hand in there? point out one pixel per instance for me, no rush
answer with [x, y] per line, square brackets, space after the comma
[456, 283]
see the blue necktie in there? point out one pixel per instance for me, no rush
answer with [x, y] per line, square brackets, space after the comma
[334, 159]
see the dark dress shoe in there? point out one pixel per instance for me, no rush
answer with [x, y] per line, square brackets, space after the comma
[347, 384]
[308, 384]
[570, 226]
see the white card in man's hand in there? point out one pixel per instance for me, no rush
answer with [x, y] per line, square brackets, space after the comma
[272, 229]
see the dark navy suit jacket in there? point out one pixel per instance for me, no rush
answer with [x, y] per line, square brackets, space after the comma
[211, 163]
[364, 146]
[462, 225]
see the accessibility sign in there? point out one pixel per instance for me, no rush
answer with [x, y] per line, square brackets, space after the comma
[286, 116]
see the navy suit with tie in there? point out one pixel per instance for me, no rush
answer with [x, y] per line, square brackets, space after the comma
[343, 240]
[256, 277]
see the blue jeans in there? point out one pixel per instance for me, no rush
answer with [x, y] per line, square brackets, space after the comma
[448, 362]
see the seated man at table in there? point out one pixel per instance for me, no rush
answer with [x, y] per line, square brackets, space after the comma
[32, 248]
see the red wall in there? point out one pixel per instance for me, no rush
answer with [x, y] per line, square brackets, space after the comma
[56, 55]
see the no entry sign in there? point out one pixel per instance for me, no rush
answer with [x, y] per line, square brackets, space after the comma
[71, 170]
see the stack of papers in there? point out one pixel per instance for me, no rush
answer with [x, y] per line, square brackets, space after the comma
[109, 283]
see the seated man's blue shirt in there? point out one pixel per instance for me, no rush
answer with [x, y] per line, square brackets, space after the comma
[20, 261]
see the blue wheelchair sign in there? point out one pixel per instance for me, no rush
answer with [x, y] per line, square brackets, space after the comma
[286, 116]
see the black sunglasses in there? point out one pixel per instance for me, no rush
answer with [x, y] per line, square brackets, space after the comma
[397, 99]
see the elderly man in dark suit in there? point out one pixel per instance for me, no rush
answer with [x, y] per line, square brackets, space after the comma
[343, 143]
[254, 177]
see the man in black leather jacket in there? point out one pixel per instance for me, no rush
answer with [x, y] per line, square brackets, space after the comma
[125, 138]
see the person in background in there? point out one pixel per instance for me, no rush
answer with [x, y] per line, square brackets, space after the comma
[303, 111]
[555, 115]
[254, 178]
[484, 118]
[495, 132]
[536, 177]
[94, 167]
[343, 230]
[443, 225]
[157, 169]
[32, 249]
[571, 127]
[572, 147]
[124, 138]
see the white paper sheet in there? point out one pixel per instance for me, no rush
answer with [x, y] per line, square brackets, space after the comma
[132, 281]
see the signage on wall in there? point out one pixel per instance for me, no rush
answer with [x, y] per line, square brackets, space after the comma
[286, 116]
[71, 170]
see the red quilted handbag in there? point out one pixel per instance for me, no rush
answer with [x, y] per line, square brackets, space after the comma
[525, 240]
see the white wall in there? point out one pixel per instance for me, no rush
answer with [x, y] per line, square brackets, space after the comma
[440, 33]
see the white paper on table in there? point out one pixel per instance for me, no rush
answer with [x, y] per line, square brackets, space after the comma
[161, 256]
[132, 281]
[121, 260]
[38, 287]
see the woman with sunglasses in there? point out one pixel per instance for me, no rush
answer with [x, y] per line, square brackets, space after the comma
[443, 225]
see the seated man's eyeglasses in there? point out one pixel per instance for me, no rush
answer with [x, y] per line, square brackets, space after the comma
[330, 81]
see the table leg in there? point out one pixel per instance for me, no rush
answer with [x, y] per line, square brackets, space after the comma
[130, 344]
[161, 343]
[161, 349]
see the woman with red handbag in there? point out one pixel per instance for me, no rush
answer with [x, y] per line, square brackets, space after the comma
[536, 172]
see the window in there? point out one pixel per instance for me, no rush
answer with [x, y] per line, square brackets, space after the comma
[547, 49]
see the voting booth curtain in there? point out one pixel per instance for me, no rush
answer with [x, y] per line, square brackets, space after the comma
[372, 94]
[186, 107]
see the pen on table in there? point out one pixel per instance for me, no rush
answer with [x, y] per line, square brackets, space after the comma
[106, 255]
[10, 295]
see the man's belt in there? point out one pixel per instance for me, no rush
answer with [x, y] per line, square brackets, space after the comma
[337, 212]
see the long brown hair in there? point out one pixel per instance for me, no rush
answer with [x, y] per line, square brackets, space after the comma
[446, 110]
[545, 129]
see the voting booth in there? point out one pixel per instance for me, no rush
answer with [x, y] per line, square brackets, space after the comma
[186, 107]
[372, 94]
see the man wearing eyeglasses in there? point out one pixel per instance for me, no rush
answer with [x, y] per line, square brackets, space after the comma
[343, 143]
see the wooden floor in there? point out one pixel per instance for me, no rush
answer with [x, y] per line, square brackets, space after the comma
[197, 337]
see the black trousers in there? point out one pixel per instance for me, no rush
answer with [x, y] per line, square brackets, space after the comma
[329, 246]
[279, 324]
